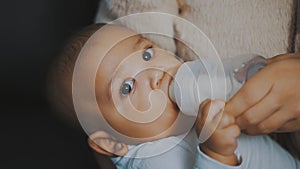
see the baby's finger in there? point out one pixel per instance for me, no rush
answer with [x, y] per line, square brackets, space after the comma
[226, 120]
[207, 123]
[224, 141]
[202, 113]
[232, 131]
[214, 114]
[209, 111]
[216, 108]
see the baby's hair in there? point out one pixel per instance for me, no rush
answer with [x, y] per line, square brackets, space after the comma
[59, 84]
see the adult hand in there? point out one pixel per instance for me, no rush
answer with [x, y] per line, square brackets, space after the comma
[270, 100]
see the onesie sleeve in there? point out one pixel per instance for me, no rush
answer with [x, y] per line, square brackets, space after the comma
[204, 162]
[179, 156]
[254, 152]
[263, 152]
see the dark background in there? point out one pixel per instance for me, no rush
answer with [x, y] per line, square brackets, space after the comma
[32, 33]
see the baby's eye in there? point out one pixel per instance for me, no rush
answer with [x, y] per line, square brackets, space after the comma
[126, 87]
[147, 54]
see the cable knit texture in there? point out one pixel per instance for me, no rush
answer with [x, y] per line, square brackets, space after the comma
[265, 27]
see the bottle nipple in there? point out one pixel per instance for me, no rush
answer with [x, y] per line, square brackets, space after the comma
[171, 91]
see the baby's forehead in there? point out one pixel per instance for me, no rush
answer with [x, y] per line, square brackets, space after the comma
[112, 35]
[123, 50]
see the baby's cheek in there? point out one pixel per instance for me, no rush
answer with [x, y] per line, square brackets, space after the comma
[140, 100]
[149, 100]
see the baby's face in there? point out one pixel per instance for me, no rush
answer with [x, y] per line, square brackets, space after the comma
[132, 85]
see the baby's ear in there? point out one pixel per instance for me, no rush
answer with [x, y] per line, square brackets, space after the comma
[105, 144]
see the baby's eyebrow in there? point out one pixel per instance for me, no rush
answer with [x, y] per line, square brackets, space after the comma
[139, 40]
[142, 42]
[109, 95]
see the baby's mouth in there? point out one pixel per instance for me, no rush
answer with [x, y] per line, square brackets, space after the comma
[165, 83]
[170, 84]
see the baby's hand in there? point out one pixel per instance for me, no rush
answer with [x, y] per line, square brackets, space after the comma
[217, 132]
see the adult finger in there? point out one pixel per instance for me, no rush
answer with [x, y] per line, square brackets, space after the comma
[255, 89]
[258, 112]
[271, 124]
[283, 57]
[290, 126]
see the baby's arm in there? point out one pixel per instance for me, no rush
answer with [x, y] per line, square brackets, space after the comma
[217, 132]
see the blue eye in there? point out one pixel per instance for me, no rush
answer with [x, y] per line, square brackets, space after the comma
[147, 54]
[126, 87]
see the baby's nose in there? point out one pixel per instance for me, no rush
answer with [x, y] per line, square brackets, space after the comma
[156, 79]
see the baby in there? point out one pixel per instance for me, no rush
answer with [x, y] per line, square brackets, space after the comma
[131, 89]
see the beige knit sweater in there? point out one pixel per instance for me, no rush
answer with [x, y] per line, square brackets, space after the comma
[265, 27]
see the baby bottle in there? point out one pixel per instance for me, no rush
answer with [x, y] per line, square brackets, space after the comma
[195, 81]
